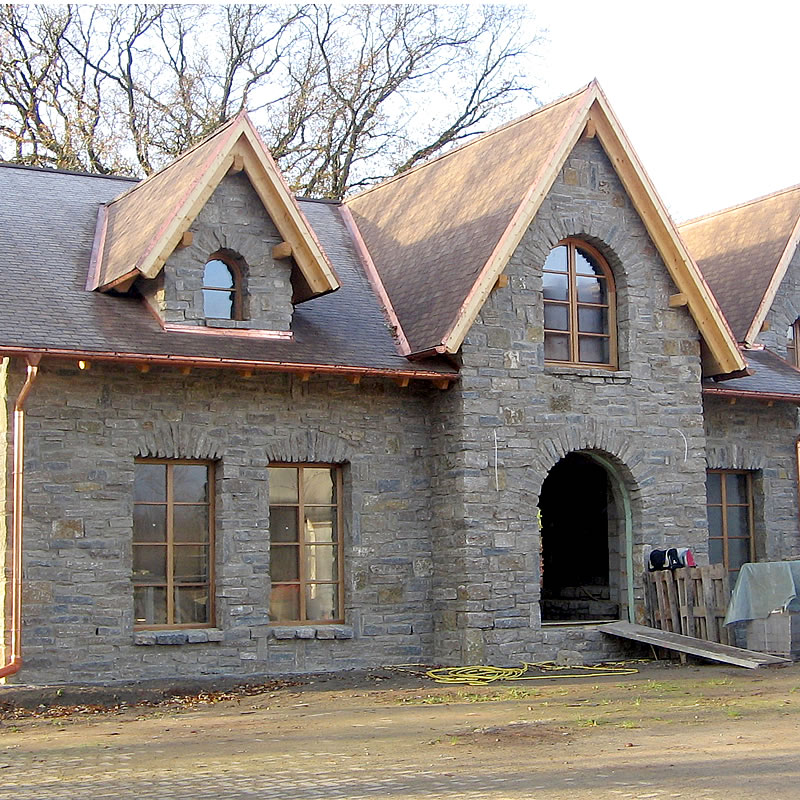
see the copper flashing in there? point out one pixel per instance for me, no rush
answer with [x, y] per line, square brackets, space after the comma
[746, 395]
[244, 333]
[96, 259]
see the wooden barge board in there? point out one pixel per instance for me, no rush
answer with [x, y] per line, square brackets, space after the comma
[694, 647]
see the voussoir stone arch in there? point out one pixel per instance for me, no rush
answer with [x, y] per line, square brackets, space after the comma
[734, 456]
[309, 446]
[176, 440]
[254, 250]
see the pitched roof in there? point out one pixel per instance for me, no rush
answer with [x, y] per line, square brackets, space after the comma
[46, 238]
[441, 233]
[772, 378]
[744, 253]
[138, 230]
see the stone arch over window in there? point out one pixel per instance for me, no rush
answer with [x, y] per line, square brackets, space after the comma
[224, 291]
[579, 306]
[309, 446]
[173, 440]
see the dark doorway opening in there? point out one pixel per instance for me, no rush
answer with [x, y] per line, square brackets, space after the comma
[580, 543]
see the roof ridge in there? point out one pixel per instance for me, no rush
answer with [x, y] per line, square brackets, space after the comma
[736, 207]
[478, 138]
[62, 171]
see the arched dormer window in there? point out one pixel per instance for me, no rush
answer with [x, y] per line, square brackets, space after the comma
[579, 306]
[222, 289]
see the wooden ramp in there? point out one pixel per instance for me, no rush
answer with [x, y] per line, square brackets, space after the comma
[714, 651]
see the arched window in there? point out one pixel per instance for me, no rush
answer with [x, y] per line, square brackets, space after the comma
[222, 290]
[579, 306]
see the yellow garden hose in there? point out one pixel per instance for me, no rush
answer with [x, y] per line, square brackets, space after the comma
[482, 676]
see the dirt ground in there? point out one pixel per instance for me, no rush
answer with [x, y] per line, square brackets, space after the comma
[668, 731]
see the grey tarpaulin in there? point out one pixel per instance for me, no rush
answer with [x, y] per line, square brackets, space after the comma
[763, 588]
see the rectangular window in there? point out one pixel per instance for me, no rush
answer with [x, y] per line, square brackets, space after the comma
[173, 543]
[730, 518]
[305, 525]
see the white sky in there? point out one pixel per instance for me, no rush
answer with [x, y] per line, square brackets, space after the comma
[707, 91]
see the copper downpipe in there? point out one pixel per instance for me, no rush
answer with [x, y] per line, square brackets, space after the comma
[13, 665]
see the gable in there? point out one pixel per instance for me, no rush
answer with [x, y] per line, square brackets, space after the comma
[743, 253]
[441, 235]
[137, 231]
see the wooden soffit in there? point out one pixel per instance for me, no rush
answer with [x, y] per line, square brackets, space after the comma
[137, 231]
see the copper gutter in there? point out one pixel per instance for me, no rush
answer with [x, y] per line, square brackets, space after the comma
[222, 363]
[15, 663]
[745, 395]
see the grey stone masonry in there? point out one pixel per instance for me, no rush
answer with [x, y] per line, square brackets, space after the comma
[753, 436]
[233, 219]
[511, 418]
[84, 432]
[784, 311]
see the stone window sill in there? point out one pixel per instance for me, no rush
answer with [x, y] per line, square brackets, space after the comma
[180, 636]
[311, 632]
[617, 375]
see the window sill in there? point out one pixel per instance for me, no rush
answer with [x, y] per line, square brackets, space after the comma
[190, 636]
[311, 632]
[617, 375]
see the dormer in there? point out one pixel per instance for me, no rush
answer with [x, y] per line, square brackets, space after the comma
[215, 239]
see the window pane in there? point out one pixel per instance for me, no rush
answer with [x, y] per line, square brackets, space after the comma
[738, 552]
[714, 487]
[592, 320]
[284, 603]
[190, 524]
[556, 347]
[217, 274]
[321, 524]
[217, 305]
[283, 524]
[150, 483]
[593, 349]
[556, 316]
[190, 483]
[715, 520]
[557, 259]
[586, 264]
[190, 563]
[322, 602]
[149, 523]
[736, 489]
[715, 551]
[150, 563]
[591, 290]
[191, 605]
[150, 605]
[284, 564]
[556, 287]
[318, 487]
[738, 521]
[322, 562]
[282, 485]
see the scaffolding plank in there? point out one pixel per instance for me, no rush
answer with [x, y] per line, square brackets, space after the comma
[713, 651]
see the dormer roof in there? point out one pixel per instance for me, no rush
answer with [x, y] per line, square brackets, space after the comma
[137, 231]
[744, 252]
[440, 234]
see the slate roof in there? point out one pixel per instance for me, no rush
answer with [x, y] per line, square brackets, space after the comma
[739, 251]
[48, 227]
[431, 230]
[772, 378]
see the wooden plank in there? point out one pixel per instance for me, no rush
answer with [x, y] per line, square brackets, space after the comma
[713, 651]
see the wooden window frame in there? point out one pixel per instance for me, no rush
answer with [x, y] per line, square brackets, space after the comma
[170, 543]
[724, 505]
[793, 349]
[302, 582]
[573, 244]
[237, 276]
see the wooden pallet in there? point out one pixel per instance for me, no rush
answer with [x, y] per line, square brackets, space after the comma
[713, 651]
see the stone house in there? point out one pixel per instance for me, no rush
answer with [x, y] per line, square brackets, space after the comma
[438, 422]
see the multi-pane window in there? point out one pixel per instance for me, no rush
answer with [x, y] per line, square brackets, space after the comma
[305, 526]
[730, 518]
[173, 543]
[579, 306]
[221, 292]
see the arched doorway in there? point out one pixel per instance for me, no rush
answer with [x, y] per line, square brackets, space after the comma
[585, 546]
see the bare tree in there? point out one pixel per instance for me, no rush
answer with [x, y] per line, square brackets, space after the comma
[344, 95]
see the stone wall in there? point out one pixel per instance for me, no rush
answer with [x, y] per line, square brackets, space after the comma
[644, 418]
[754, 436]
[233, 219]
[784, 310]
[86, 428]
